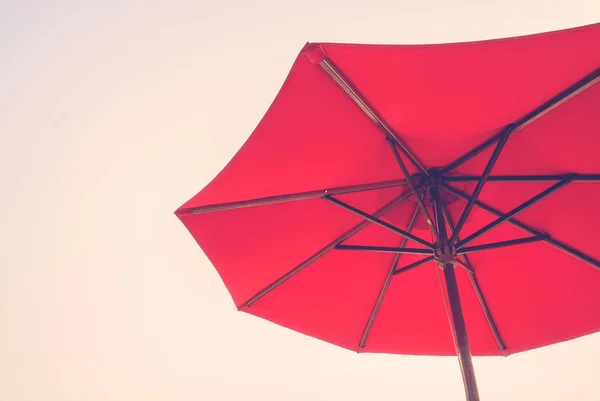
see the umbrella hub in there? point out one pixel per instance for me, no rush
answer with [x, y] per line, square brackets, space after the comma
[434, 180]
[445, 256]
[426, 184]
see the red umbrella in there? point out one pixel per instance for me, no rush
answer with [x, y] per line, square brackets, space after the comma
[384, 180]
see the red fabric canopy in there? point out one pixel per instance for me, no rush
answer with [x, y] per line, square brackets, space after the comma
[265, 225]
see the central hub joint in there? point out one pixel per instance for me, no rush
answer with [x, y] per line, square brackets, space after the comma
[435, 179]
[443, 257]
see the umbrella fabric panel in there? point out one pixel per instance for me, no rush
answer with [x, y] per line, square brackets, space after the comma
[444, 100]
[413, 320]
[537, 294]
[564, 140]
[278, 261]
[312, 137]
[253, 247]
[331, 299]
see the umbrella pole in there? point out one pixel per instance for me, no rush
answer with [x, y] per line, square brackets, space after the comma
[446, 258]
[460, 334]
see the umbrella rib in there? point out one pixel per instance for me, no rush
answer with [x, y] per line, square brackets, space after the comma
[525, 178]
[385, 249]
[291, 197]
[480, 183]
[413, 265]
[353, 93]
[475, 284]
[561, 246]
[533, 115]
[485, 308]
[513, 212]
[386, 284]
[323, 251]
[500, 244]
[464, 264]
[379, 222]
[410, 184]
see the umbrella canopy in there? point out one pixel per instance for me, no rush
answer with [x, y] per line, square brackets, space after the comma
[385, 180]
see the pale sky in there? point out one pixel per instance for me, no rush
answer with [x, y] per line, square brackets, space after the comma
[112, 114]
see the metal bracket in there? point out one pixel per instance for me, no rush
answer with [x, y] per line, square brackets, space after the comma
[445, 258]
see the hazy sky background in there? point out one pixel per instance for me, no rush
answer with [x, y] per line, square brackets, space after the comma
[112, 114]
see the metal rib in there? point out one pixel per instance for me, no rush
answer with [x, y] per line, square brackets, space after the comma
[386, 284]
[323, 251]
[464, 264]
[513, 212]
[291, 197]
[485, 309]
[480, 184]
[379, 222]
[526, 178]
[500, 244]
[561, 246]
[410, 184]
[413, 265]
[475, 284]
[385, 249]
[533, 115]
[337, 76]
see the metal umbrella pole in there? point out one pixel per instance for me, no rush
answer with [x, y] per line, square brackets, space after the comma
[445, 256]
